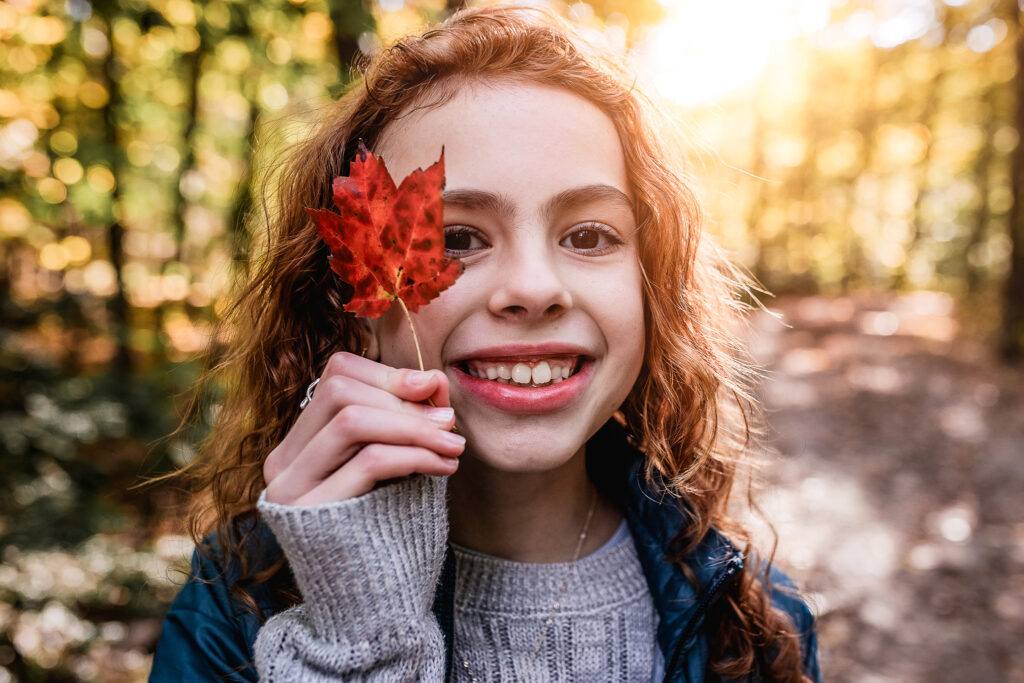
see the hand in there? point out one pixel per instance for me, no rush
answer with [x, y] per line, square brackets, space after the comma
[366, 423]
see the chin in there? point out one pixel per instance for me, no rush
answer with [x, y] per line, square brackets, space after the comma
[523, 454]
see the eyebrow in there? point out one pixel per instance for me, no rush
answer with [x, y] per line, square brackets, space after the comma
[503, 205]
[479, 200]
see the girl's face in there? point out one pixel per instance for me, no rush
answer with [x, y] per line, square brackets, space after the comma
[538, 208]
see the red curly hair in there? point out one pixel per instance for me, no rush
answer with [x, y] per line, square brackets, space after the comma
[690, 407]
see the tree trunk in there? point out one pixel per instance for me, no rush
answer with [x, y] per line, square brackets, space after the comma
[238, 223]
[193, 66]
[1012, 343]
[982, 181]
[117, 305]
[350, 19]
[193, 70]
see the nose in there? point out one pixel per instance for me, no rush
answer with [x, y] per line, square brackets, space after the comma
[530, 287]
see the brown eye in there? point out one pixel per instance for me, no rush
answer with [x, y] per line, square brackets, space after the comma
[585, 239]
[458, 241]
[591, 239]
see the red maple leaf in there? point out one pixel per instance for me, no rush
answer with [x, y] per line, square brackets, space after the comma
[387, 242]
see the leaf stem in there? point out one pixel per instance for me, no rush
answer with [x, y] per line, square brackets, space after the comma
[415, 339]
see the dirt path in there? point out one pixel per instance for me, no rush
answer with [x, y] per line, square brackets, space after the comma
[898, 491]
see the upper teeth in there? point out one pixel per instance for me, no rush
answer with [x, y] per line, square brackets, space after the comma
[542, 372]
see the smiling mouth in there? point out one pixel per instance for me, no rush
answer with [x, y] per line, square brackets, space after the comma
[524, 373]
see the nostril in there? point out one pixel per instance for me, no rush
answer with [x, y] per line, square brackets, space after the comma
[554, 309]
[535, 297]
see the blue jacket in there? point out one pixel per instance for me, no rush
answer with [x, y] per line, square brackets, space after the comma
[209, 636]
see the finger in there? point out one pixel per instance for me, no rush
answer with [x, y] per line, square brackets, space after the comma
[374, 464]
[351, 429]
[334, 393]
[441, 395]
[412, 385]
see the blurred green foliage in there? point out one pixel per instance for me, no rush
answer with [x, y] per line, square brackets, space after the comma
[129, 135]
[855, 166]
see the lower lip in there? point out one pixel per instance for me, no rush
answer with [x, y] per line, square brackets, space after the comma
[526, 400]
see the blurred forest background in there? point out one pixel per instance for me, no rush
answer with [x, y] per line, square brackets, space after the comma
[861, 158]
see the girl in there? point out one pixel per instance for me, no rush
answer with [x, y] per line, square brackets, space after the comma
[572, 525]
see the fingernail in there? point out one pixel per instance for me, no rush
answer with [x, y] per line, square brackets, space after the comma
[440, 416]
[454, 439]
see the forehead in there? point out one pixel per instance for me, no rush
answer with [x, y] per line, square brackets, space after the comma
[509, 137]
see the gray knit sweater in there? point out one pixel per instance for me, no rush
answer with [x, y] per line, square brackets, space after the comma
[368, 567]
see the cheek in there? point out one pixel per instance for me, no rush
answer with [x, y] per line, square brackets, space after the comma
[622, 294]
[433, 322]
[633, 338]
[391, 330]
[620, 302]
[633, 325]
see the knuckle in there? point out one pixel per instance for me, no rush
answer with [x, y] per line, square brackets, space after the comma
[397, 379]
[270, 466]
[411, 408]
[348, 418]
[373, 457]
[338, 363]
[336, 390]
[376, 462]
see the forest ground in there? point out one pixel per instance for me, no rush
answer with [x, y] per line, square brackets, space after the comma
[897, 487]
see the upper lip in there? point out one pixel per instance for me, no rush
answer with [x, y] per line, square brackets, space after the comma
[523, 352]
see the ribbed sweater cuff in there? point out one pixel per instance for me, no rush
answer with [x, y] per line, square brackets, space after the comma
[358, 560]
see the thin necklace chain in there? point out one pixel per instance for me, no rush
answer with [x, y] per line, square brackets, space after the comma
[561, 594]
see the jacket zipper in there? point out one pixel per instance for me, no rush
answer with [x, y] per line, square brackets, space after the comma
[721, 582]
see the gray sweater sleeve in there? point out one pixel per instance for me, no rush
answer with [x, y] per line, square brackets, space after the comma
[367, 569]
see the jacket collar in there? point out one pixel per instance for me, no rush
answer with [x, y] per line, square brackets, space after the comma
[655, 518]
